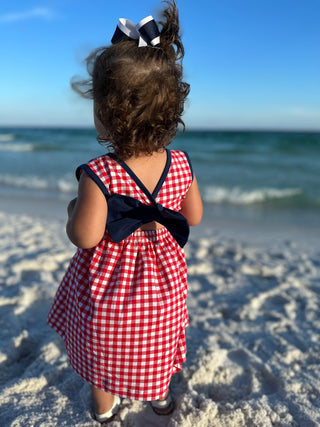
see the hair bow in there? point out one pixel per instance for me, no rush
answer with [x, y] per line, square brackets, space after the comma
[146, 31]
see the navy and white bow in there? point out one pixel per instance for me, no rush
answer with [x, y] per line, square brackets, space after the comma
[146, 31]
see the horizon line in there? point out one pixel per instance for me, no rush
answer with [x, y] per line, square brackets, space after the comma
[189, 129]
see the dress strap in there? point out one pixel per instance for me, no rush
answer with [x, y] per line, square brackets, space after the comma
[190, 165]
[140, 184]
[94, 177]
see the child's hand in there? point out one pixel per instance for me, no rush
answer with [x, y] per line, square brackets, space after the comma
[71, 207]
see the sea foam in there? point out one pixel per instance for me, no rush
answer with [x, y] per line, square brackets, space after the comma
[63, 185]
[5, 137]
[238, 196]
[15, 147]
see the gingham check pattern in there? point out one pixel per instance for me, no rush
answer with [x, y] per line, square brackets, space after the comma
[121, 307]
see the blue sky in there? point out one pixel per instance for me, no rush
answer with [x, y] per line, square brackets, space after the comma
[250, 63]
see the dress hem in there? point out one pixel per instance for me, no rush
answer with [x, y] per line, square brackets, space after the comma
[112, 390]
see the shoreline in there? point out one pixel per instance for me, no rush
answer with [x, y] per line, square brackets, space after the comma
[263, 228]
[251, 225]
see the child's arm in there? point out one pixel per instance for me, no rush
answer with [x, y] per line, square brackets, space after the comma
[191, 206]
[87, 214]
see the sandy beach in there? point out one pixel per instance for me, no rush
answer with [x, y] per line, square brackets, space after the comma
[253, 339]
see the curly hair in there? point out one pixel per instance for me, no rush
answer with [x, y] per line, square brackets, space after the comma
[138, 92]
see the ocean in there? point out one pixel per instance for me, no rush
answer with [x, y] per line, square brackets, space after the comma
[240, 173]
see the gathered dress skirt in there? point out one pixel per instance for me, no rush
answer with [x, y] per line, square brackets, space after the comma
[121, 310]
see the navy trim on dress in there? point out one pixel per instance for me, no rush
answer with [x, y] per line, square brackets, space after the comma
[94, 177]
[190, 165]
[137, 180]
[164, 175]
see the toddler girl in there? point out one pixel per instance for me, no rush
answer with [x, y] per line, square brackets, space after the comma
[121, 306]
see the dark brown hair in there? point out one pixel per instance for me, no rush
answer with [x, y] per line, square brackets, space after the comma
[138, 92]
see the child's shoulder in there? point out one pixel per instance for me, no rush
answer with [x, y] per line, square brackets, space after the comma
[102, 166]
[177, 153]
[179, 156]
[101, 162]
[181, 164]
[103, 158]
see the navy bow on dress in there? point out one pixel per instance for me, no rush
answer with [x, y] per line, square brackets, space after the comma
[146, 31]
[126, 214]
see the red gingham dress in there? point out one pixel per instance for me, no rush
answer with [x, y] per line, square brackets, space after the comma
[121, 307]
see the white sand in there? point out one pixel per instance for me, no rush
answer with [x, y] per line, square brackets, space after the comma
[253, 339]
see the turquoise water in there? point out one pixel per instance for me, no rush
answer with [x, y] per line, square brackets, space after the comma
[268, 170]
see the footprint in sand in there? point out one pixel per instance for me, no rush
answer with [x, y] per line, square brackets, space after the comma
[23, 352]
[231, 376]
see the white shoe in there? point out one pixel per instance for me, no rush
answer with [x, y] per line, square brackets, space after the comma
[109, 414]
